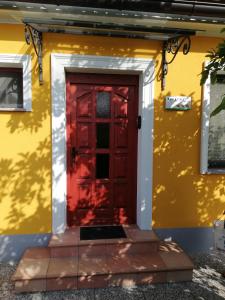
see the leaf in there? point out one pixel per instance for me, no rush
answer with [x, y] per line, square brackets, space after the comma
[204, 76]
[216, 62]
[219, 107]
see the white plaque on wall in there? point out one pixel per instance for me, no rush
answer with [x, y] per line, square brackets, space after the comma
[178, 103]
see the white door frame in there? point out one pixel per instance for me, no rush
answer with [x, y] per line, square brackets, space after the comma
[60, 63]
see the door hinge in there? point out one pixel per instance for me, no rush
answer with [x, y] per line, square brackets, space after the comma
[139, 122]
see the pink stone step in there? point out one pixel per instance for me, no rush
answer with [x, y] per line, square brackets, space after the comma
[137, 241]
[63, 251]
[37, 271]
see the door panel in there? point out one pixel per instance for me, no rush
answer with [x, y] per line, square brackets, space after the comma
[84, 138]
[84, 108]
[120, 166]
[85, 166]
[121, 135]
[83, 195]
[102, 195]
[101, 149]
[120, 194]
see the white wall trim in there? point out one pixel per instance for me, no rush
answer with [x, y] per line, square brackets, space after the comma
[205, 130]
[205, 127]
[24, 62]
[101, 64]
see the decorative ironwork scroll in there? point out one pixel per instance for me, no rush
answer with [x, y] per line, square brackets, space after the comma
[34, 36]
[172, 46]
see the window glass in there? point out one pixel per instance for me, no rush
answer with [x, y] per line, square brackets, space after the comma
[102, 166]
[216, 146]
[11, 88]
[102, 135]
[103, 105]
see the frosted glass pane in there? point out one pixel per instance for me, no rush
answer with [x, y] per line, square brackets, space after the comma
[103, 105]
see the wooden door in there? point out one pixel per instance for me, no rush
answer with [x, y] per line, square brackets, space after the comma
[101, 149]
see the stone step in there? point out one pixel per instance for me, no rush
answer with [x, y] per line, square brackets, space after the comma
[68, 244]
[37, 271]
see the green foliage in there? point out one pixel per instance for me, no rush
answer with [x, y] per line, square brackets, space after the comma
[216, 63]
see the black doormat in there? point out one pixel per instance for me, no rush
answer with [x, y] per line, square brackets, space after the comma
[102, 232]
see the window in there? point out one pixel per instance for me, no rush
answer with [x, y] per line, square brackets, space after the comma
[11, 88]
[15, 82]
[213, 128]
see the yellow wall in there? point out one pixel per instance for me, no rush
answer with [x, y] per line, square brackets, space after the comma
[181, 196]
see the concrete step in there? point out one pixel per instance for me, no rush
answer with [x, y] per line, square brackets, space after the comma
[68, 244]
[38, 271]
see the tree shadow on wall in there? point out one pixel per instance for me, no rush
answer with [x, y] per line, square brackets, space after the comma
[181, 195]
[25, 197]
[25, 181]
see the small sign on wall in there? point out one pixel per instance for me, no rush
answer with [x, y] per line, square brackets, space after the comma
[178, 103]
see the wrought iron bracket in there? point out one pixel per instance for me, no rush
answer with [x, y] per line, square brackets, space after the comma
[34, 36]
[172, 46]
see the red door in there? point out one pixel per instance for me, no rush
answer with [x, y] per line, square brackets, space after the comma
[101, 149]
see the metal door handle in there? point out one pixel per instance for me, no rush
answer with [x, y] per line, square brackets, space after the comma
[139, 122]
[74, 153]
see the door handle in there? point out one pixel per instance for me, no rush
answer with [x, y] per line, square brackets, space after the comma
[74, 153]
[139, 122]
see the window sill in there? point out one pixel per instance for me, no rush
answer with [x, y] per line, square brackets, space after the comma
[216, 171]
[13, 109]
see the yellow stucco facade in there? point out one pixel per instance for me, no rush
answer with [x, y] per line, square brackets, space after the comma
[182, 197]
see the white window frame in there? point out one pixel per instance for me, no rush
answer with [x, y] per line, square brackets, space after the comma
[23, 62]
[205, 131]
